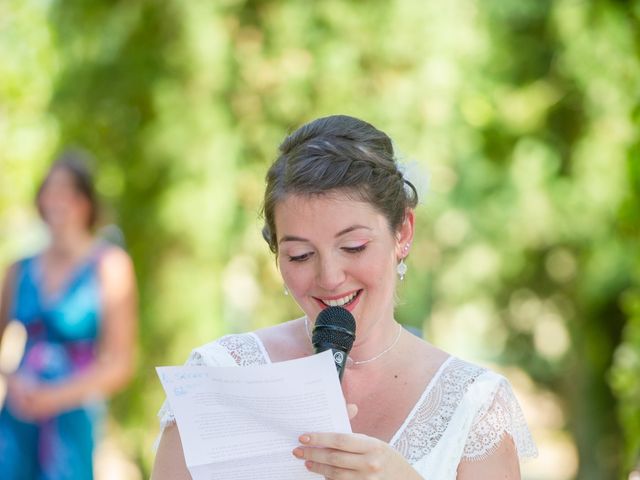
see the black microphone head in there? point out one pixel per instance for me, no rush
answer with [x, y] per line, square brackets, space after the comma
[335, 327]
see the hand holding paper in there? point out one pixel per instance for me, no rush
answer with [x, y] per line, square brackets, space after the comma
[242, 423]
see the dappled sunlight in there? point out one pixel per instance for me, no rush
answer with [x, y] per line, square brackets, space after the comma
[557, 454]
[522, 117]
[111, 462]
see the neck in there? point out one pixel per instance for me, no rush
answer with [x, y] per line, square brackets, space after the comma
[374, 336]
[70, 243]
[377, 344]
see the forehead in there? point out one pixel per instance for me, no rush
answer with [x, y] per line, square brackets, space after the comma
[59, 177]
[324, 214]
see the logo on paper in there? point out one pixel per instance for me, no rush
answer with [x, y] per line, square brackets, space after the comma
[338, 357]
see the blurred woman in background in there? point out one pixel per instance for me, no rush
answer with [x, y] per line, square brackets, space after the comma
[78, 303]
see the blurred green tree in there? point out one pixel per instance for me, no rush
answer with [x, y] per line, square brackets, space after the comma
[525, 113]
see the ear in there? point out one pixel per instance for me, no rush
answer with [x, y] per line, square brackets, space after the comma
[404, 236]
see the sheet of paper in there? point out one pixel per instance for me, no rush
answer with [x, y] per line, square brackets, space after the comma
[241, 423]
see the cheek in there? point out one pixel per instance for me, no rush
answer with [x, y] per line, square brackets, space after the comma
[379, 275]
[300, 281]
[379, 264]
[53, 205]
[294, 278]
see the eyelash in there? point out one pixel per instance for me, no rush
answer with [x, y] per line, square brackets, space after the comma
[300, 258]
[304, 257]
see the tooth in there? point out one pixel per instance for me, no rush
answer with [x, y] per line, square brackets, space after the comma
[341, 301]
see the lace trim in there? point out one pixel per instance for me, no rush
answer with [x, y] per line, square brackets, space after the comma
[245, 349]
[502, 416]
[430, 420]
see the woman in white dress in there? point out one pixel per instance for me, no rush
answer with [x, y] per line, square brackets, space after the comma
[339, 218]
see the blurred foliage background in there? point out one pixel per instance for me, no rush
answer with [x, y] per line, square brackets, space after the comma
[525, 113]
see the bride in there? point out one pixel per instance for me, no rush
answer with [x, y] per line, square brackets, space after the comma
[339, 217]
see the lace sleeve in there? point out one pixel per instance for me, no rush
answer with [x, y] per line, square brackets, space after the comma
[227, 351]
[501, 416]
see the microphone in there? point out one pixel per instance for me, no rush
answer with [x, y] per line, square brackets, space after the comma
[335, 330]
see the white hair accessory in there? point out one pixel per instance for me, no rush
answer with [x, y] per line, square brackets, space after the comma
[418, 175]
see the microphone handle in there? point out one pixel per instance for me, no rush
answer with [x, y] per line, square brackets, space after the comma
[339, 356]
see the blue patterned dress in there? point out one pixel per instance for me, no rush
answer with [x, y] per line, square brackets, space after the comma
[62, 332]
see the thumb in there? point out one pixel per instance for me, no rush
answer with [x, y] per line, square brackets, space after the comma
[352, 410]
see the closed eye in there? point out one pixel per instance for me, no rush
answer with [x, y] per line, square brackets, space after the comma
[300, 258]
[357, 249]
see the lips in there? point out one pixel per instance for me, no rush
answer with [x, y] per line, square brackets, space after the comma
[347, 301]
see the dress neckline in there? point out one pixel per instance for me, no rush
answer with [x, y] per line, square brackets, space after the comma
[51, 298]
[427, 390]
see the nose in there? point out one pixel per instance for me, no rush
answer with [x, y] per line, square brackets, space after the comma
[330, 274]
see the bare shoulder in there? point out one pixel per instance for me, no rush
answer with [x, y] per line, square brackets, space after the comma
[114, 259]
[116, 268]
[285, 341]
[422, 353]
[118, 282]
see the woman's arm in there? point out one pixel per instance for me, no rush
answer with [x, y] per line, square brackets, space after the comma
[501, 463]
[6, 297]
[498, 437]
[114, 364]
[169, 463]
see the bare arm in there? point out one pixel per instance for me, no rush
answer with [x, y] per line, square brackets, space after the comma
[6, 297]
[170, 463]
[502, 463]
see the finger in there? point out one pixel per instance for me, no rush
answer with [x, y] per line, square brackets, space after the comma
[330, 472]
[352, 410]
[331, 457]
[347, 442]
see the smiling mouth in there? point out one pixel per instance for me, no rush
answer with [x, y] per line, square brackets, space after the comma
[341, 302]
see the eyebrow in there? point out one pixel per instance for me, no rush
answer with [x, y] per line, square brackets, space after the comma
[293, 238]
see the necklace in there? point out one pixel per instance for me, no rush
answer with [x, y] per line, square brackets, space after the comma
[361, 362]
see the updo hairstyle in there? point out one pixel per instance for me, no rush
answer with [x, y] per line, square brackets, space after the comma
[338, 153]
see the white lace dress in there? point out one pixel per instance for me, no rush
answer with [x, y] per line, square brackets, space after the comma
[463, 413]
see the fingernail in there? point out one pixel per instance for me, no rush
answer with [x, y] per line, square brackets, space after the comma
[304, 439]
[298, 453]
[308, 464]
